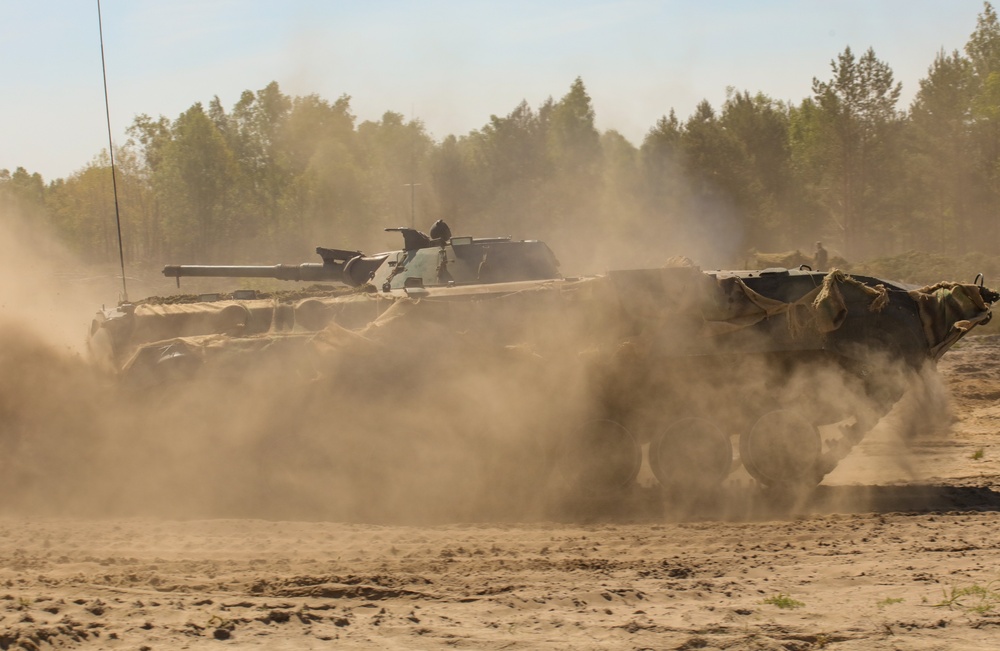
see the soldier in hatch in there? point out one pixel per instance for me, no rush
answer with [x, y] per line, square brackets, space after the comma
[440, 233]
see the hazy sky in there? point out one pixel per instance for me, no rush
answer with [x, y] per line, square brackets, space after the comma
[450, 64]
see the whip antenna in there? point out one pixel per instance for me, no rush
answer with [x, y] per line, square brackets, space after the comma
[111, 152]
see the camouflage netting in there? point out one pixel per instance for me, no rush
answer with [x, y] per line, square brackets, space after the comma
[947, 308]
[726, 304]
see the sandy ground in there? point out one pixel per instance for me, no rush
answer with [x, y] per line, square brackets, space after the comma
[898, 549]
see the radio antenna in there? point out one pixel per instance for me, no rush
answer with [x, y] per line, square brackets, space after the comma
[111, 152]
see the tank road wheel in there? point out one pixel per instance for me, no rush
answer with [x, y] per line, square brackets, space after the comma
[691, 453]
[782, 449]
[602, 455]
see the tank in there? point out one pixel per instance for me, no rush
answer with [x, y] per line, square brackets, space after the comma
[693, 376]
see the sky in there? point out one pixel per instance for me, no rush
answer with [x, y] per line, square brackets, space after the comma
[449, 64]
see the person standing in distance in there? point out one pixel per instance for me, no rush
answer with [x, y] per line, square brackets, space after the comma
[820, 256]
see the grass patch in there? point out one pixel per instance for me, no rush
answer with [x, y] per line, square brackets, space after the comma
[974, 598]
[888, 601]
[977, 455]
[783, 601]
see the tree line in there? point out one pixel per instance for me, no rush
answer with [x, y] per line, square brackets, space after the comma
[276, 175]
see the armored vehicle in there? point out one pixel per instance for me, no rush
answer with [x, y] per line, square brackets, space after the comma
[777, 372]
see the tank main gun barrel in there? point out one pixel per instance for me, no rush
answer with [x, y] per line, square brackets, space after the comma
[313, 271]
[352, 268]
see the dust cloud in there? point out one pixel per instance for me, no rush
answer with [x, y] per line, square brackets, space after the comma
[43, 287]
[436, 411]
[412, 423]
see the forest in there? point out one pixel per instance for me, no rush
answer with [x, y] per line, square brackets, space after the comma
[274, 176]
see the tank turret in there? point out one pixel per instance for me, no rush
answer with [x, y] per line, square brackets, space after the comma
[424, 261]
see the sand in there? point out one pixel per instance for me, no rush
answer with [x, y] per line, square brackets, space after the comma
[897, 549]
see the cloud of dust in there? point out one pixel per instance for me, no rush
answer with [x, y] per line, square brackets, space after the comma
[422, 419]
[923, 412]
[438, 410]
[48, 394]
[830, 410]
[43, 287]
[640, 232]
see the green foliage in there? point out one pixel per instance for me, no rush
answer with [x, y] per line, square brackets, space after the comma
[783, 601]
[977, 455]
[574, 141]
[858, 129]
[945, 182]
[974, 598]
[889, 601]
[983, 48]
[276, 175]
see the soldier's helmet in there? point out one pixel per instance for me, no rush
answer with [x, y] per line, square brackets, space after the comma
[440, 231]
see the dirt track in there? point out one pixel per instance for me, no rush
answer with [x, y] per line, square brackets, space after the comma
[897, 550]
